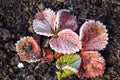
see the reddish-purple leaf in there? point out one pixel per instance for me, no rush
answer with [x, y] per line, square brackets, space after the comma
[93, 36]
[66, 20]
[48, 23]
[42, 28]
[93, 64]
[65, 42]
[43, 24]
[28, 49]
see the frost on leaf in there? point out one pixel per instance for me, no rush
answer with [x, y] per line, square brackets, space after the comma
[68, 64]
[48, 23]
[43, 24]
[93, 64]
[28, 49]
[42, 28]
[93, 35]
[65, 42]
[66, 20]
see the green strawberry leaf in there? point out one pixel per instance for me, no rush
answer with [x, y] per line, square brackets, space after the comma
[67, 71]
[68, 64]
[72, 60]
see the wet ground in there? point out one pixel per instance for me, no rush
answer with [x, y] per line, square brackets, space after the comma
[16, 21]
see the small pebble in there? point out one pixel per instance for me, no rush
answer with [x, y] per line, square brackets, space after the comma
[20, 65]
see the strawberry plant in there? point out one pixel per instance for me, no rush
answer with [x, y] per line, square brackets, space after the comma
[74, 53]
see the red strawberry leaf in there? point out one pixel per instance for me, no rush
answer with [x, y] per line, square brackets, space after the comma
[93, 35]
[28, 49]
[93, 64]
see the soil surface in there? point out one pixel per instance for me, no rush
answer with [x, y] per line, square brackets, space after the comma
[16, 21]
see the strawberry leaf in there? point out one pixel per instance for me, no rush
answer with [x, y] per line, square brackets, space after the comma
[92, 63]
[93, 35]
[43, 24]
[65, 73]
[28, 49]
[68, 64]
[65, 42]
[72, 60]
[66, 20]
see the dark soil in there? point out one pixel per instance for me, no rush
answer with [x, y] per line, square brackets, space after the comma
[16, 21]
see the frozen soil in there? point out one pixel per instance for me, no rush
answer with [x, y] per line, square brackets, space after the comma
[16, 21]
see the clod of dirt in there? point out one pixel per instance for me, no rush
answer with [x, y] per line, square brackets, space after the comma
[30, 77]
[5, 34]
